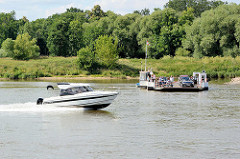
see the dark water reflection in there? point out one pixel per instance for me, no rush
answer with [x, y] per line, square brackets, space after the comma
[138, 124]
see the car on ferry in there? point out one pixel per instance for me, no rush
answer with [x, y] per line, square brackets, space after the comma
[185, 81]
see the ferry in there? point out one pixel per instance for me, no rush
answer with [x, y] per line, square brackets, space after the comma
[198, 82]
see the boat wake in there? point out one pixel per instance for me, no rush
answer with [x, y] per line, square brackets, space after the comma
[33, 107]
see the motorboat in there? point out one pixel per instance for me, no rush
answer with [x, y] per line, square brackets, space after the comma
[79, 95]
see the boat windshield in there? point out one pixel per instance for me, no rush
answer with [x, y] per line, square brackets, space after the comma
[75, 90]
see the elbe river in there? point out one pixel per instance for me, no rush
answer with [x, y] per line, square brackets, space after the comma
[138, 124]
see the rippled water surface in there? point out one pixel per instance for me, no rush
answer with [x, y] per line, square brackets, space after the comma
[138, 124]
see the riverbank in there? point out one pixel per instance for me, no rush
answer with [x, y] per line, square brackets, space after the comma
[235, 80]
[82, 78]
[61, 67]
[77, 78]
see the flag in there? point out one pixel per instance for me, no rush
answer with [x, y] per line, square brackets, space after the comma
[148, 43]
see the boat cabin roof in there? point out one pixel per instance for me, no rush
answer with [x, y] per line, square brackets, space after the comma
[71, 85]
[73, 88]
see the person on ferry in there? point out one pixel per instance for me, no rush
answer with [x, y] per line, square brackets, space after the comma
[160, 81]
[153, 78]
[171, 80]
[168, 82]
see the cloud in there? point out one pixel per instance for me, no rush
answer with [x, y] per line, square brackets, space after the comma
[233, 1]
[128, 6]
[60, 9]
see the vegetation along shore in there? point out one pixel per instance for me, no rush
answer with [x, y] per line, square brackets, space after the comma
[216, 67]
[185, 36]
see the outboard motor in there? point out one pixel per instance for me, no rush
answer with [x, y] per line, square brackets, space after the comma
[39, 101]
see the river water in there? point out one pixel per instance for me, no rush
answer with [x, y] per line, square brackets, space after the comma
[138, 124]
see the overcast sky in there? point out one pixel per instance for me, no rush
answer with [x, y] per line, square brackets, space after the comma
[34, 9]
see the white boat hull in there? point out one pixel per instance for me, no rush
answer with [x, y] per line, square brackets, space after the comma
[93, 100]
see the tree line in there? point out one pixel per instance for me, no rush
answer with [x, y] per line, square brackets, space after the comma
[194, 28]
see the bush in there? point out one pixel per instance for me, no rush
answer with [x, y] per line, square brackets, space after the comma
[182, 52]
[3, 53]
[7, 48]
[25, 48]
[107, 50]
[86, 60]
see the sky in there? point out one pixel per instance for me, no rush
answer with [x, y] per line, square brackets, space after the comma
[35, 9]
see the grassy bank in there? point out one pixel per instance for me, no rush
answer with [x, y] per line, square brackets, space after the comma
[43, 67]
[217, 67]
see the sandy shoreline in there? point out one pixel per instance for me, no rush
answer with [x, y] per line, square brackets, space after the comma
[76, 78]
[235, 80]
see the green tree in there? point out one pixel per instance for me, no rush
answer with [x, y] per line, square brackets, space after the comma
[74, 10]
[107, 50]
[143, 12]
[86, 60]
[75, 37]
[215, 33]
[65, 31]
[21, 24]
[148, 26]
[92, 30]
[58, 41]
[8, 26]
[187, 17]
[237, 33]
[96, 13]
[185, 20]
[161, 29]
[182, 52]
[8, 48]
[199, 6]
[126, 29]
[25, 48]
[107, 23]
[37, 29]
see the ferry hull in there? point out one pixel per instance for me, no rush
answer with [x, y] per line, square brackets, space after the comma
[180, 89]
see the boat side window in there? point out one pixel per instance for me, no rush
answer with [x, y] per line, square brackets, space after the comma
[89, 89]
[65, 92]
[82, 89]
[62, 93]
[75, 90]
[79, 90]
